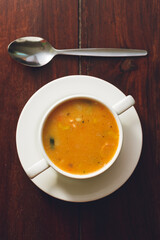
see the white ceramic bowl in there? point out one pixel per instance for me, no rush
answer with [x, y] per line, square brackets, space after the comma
[44, 163]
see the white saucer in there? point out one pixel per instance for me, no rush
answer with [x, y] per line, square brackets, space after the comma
[62, 187]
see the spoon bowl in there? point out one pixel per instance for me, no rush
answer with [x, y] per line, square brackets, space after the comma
[31, 51]
[37, 52]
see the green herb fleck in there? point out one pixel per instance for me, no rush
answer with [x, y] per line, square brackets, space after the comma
[70, 165]
[51, 141]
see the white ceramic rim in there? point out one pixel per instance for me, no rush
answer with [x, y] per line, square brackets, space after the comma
[106, 166]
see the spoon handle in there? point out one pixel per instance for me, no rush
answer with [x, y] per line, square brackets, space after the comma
[104, 52]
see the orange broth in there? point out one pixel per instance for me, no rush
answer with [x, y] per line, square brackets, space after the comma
[80, 136]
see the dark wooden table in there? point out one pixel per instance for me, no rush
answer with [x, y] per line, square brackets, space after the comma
[133, 211]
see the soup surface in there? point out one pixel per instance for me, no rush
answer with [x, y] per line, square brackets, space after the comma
[80, 136]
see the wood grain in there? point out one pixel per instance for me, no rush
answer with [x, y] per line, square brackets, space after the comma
[133, 211]
[26, 212]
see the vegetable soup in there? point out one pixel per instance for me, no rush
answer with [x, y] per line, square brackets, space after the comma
[80, 136]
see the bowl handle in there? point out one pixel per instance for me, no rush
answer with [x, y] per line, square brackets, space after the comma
[124, 104]
[37, 168]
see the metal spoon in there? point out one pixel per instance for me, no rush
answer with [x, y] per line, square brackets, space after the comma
[36, 51]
